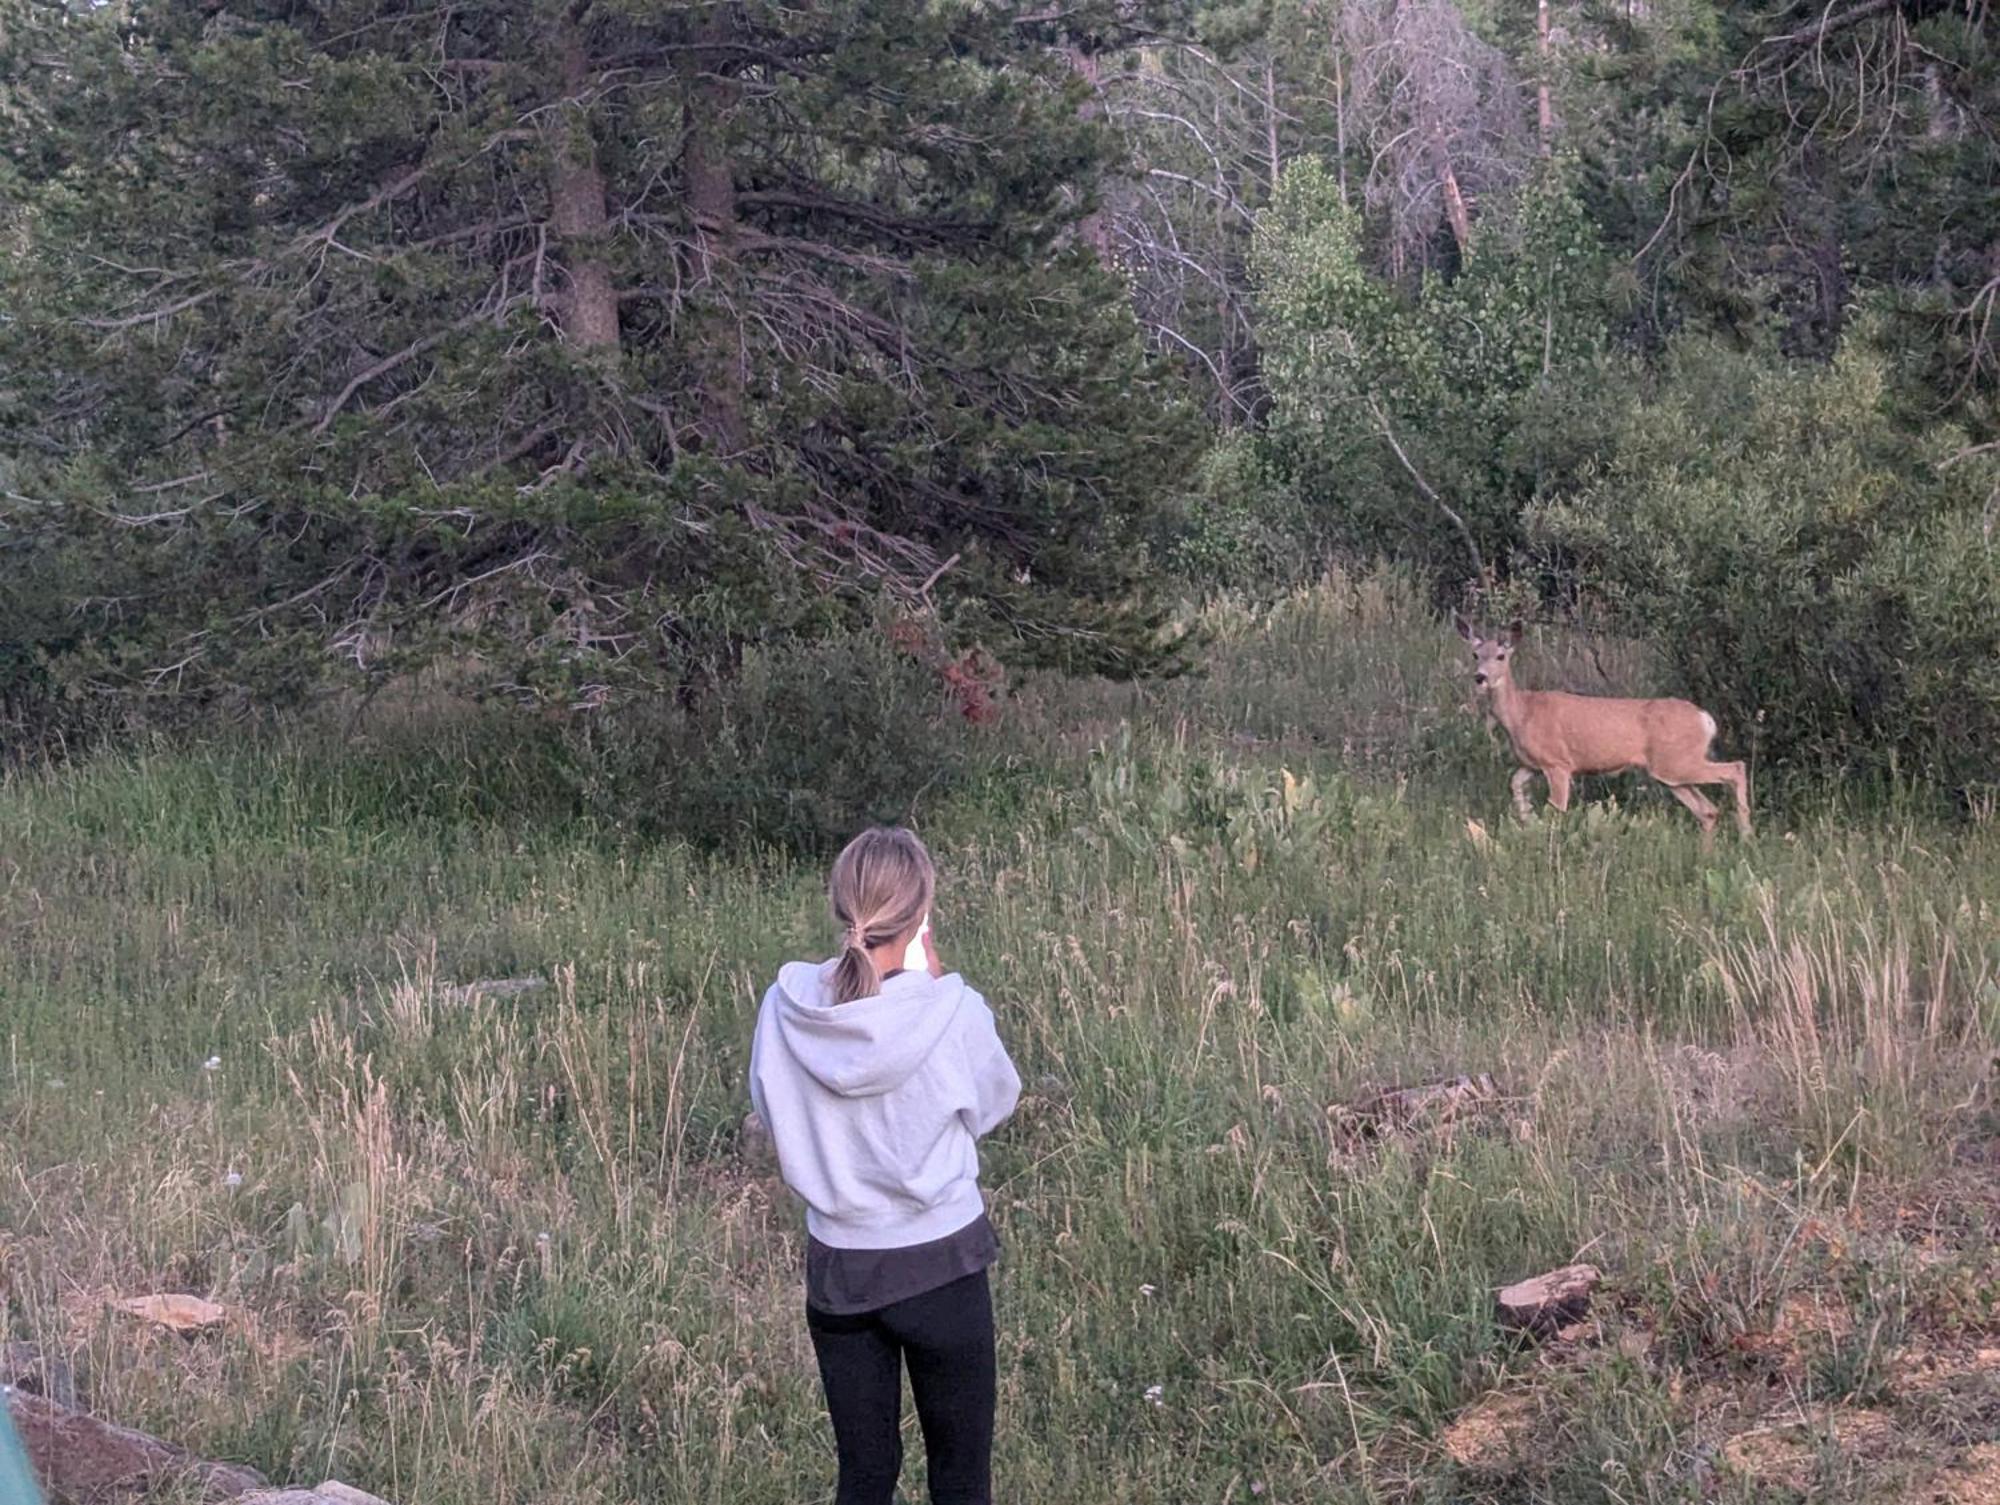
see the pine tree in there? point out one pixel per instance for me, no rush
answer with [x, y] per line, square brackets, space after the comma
[585, 334]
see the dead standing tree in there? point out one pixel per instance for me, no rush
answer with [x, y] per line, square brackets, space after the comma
[1400, 94]
[1438, 114]
[1203, 140]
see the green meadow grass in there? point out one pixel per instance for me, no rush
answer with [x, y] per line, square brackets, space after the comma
[510, 1247]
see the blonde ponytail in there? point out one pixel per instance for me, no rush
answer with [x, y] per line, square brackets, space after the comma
[855, 975]
[880, 890]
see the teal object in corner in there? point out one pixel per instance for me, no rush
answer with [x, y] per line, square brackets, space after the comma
[17, 1480]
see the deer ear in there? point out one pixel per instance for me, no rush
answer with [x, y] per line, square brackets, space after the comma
[1463, 628]
[1514, 631]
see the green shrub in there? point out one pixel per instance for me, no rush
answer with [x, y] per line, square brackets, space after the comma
[1240, 524]
[1807, 568]
[1486, 384]
[804, 745]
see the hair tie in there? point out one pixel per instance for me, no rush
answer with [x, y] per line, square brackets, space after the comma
[857, 936]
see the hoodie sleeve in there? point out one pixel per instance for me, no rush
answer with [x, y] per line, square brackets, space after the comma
[996, 1086]
[756, 1050]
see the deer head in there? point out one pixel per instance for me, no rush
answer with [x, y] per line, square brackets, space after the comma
[1491, 670]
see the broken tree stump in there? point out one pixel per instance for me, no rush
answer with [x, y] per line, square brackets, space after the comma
[1543, 1303]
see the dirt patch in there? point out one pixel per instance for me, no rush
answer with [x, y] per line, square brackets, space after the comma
[1496, 1434]
[1953, 1214]
[1924, 1374]
[1973, 1480]
[1950, 1394]
[1786, 1454]
[1806, 1322]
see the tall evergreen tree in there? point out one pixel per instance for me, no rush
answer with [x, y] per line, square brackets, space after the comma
[591, 331]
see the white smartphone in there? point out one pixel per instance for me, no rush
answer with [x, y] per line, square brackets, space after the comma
[914, 959]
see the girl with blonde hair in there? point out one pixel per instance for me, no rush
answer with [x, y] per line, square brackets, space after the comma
[876, 1073]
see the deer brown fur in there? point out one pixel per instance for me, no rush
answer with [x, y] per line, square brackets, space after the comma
[1560, 735]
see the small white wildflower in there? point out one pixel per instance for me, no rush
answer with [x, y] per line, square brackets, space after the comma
[1149, 1290]
[56, 1084]
[213, 1063]
[1155, 1395]
[233, 1180]
[542, 1239]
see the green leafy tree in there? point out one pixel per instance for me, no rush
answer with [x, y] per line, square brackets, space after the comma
[1816, 572]
[1426, 423]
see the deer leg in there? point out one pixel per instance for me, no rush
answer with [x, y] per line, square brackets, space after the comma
[1523, 806]
[1703, 810]
[1558, 787]
[1737, 777]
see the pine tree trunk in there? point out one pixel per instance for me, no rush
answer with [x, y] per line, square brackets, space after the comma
[710, 100]
[588, 311]
[1094, 232]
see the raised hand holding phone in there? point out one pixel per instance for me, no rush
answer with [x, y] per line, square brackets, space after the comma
[917, 956]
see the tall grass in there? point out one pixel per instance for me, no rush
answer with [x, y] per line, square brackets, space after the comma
[490, 1246]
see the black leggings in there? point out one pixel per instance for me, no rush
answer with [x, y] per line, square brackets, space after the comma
[946, 1338]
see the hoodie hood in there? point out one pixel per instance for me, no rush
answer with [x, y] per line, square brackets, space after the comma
[872, 1045]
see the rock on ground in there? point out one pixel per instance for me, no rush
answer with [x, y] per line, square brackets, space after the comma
[332, 1492]
[79, 1458]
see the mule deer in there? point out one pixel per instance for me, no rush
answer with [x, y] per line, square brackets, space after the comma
[1560, 735]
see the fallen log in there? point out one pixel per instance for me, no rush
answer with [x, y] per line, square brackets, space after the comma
[1430, 1101]
[181, 1314]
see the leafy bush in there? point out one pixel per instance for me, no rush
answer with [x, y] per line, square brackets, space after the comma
[1421, 423]
[1813, 571]
[807, 743]
[1240, 524]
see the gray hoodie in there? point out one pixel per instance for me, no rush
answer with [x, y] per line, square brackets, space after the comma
[874, 1105]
